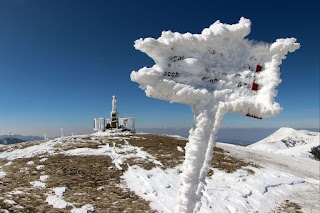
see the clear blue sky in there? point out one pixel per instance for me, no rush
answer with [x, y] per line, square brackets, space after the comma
[61, 61]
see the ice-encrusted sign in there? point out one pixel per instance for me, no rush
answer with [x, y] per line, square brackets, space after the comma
[215, 72]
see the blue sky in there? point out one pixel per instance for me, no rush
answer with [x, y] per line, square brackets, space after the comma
[61, 61]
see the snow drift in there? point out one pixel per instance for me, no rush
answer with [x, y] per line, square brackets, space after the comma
[215, 72]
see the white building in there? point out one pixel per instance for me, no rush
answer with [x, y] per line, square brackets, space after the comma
[114, 122]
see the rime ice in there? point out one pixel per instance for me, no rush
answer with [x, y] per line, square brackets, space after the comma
[215, 72]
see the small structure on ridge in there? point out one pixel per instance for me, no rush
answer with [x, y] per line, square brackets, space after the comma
[114, 122]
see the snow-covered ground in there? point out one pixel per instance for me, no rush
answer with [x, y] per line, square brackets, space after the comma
[281, 178]
[288, 141]
[277, 179]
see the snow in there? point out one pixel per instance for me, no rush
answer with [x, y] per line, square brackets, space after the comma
[117, 154]
[43, 160]
[39, 167]
[16, 192]
[2, 173]
[38, 184]
[219, 52]
[172, 136]
[30, 151]
[288, 141]
[30, 163]
[213, 72]
[158, 186]
[306, 168]
[280, 177]
[236, 192]
[44, 178]
[180, 149]
[83, 209]
[24, 170]
[59, 191]
[10, 202]
[56, 200]
[8, 164]
[112, 132]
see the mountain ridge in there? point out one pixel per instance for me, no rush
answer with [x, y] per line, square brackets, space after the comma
[288, 141]
[7, 141]
[22, 137]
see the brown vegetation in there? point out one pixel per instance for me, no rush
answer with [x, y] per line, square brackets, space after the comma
[94, 179]
[20, 145]
[164, 149]
[19, 175]
[288, 207]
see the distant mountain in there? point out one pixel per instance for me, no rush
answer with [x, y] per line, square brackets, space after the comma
[6, 141]
[238, 136]
[183, 132]
[22, 137]
[289, 141]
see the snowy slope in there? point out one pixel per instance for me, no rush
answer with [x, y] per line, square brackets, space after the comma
[119, 172]
[289, 141]
[279, 178]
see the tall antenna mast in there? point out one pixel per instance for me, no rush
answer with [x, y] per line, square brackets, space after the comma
[62, 135]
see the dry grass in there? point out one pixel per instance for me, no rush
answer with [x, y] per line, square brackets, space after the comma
[94, 179]
[20, 145]
[164, 149]
[76, 145]
[315, 151]
[222, 160]
[143, 163]
[89, 179]
[19, 176]
[288, 207]
[3, 162]
[87, 142]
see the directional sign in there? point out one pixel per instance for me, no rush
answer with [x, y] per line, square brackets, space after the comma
[216, 72]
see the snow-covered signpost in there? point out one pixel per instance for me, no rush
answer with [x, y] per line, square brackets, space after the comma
[215, 72]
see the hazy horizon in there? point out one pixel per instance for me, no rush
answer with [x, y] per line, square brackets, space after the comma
[240, 136]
